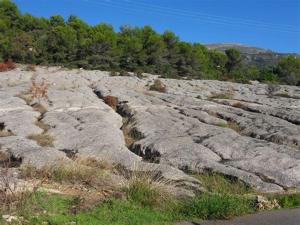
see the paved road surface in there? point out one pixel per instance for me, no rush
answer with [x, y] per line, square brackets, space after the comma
[280, 217]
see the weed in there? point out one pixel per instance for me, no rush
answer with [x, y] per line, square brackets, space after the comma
[12, 191]
[286, 200]
[66, 172]
[124, 73]
[39, 90]
[158, 86]
[44, 140]
[8, 65]
[143, 189]
[39, 108]
[219, 183]
[223, 124]
[42, 125]
[217, 206]
[239, 105]
[112, 101]
[139, 74]
[234, 126]
[31, 67]
[113, 73]
[4, 132]
[222, 95]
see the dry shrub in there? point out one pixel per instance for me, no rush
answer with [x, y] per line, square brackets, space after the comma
[239, 105]
[124, 73]
[158, 86]
[6, 133]
[3, 132]
[113, 73]
[8, 160]
[139, 74]
[13, 192]
[234, 126]
[95, 163]
[222, 95]
[31, 67]
[112, 101]
[42, 125]
[44, 140]
[39, 90]
[39, 108]
[69, 173]
[129, 138]
[8, 65]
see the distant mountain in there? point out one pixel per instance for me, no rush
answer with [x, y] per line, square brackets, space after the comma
[252, 55]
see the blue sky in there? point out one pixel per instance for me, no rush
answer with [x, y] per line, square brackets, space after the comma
[272, 24]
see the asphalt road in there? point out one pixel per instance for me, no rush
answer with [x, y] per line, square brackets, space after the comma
[279, 217]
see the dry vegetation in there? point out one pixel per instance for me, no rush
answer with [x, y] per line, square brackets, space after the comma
[158, 86]
[39, 90]
[112, 101]
[222, 95]
[234, 126]
[43, 139]
[4, 132]
[6, 66]
[31, 67]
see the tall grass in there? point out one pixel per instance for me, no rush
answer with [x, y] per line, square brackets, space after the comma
[216, 206]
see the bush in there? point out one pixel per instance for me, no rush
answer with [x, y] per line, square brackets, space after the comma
[139, 74]
[112, 101]
[113, 73]
[124, 73]
[158, 86]
[8, 65]
[31, 67]
[44, 140]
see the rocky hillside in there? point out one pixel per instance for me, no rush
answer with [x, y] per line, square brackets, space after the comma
[252, 55]
[250, 132]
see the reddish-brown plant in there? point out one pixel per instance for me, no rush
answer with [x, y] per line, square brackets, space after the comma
[39, 90]
[8, 65]
[112, 101]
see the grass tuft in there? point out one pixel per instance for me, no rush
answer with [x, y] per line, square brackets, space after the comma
[217, 206]
[158, 86]
[44, 140]
[147, 192]
[218, 183]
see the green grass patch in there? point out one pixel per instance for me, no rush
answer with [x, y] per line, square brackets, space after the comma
[218, 183]
[217, 206]
[222, 124]
[43, 208]
[287, 200]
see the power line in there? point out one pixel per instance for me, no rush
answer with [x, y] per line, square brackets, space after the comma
[183, 14]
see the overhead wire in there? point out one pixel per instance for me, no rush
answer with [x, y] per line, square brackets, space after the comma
[184, 14]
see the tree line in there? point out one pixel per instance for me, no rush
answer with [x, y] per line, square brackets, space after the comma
[74, 43]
